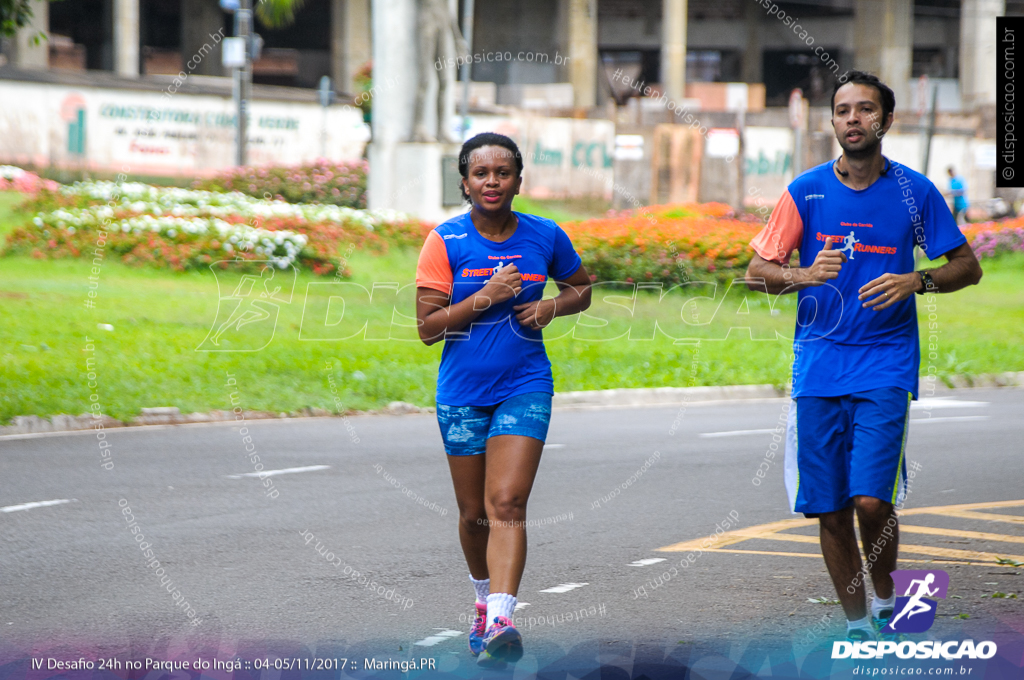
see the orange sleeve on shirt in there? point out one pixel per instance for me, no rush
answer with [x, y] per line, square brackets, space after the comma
[781, 236]
[433, 270]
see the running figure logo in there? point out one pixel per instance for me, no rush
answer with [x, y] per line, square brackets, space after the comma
[914, 611]
[848, 243]
[247, 316]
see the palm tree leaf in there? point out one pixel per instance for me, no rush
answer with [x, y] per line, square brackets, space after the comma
[277, 13]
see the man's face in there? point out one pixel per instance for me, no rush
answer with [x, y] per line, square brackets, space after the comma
[857, 118]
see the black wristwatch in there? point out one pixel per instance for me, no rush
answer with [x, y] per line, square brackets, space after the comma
[927, 285]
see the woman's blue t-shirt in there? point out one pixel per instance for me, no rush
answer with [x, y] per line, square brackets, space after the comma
[495, 358]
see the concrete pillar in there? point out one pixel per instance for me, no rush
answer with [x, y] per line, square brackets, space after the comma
[200, 22]
[978, 51]
[394, 60]
[883, 43]
[24, 51]
[404, 175]
[350, 41]
[673, 48]
[753, 62]
[126, 38]
[582, 49]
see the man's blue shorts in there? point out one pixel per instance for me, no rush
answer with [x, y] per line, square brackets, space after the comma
[466, 429]
[841, 447]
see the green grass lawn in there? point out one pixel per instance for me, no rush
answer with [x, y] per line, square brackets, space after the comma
[563, 210]
[9, 216]
[160, 319]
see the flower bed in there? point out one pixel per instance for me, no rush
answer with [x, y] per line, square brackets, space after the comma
[991, 239]
[187, 229]
[670, 244]
[16, 179]
[341, 184]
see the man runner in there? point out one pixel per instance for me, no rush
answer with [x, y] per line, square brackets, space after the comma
[856, 344]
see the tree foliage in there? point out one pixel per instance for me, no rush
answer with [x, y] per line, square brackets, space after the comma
[273, 13]
[14, 14]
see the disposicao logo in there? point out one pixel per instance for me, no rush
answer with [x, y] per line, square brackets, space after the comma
[926, 649]
[914, 612]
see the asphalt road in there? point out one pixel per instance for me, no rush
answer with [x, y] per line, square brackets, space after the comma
[614, 486]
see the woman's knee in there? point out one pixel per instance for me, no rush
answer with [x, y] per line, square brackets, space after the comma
[507, 507]
[473, 519]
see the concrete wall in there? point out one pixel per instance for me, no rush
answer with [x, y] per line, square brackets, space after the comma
[153, 133]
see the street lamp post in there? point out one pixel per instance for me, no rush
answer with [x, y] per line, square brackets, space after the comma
[243, 77]
[466, 71]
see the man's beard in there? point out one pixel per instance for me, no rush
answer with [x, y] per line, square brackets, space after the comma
[866, 151]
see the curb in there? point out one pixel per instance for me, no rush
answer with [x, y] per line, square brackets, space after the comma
[652, 396]
[615, 398]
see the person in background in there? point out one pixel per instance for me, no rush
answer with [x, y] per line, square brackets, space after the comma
[958, 190]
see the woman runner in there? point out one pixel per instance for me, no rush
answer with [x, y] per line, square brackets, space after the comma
[480, 280]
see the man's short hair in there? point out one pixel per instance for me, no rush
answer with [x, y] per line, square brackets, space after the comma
[863, 78]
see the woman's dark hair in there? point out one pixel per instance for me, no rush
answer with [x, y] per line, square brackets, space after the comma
[481, 140]
[863, 78]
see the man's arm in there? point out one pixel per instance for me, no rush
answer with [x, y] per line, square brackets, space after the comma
[771, 277]
[961, 270]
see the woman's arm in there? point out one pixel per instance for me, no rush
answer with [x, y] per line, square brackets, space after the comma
[573, 297]
[436, 316]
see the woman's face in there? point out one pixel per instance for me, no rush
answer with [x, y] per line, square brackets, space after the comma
[492, 179]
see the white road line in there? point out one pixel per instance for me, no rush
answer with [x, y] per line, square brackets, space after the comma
[564, 587]
[946, 419]
[554, 446]
[646, 562]
[929, 404]
[520, 605]
[285, 471]
[735, 433]
[37, 504]
[436, 638]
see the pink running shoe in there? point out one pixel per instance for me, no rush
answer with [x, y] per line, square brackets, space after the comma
[476, 633]
[502, 644]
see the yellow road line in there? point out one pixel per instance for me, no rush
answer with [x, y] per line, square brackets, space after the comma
[738, 535]
[986, 516]
[818, 555]
[964, 506]
[772, 531]
[978, 535]
[912, 549]
[764, 552]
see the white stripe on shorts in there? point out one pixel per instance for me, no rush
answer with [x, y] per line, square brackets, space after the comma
[790, 468]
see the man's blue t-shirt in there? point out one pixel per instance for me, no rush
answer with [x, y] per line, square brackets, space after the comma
[840, 347]
[495, 358]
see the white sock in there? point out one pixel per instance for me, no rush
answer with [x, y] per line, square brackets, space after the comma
[878, 604]
[500, 604]
[863, 624]
[483, 589]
